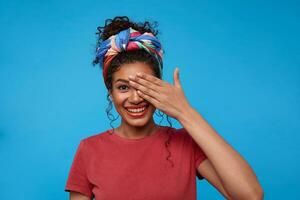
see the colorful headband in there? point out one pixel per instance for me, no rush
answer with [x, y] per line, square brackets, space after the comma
[127, 40]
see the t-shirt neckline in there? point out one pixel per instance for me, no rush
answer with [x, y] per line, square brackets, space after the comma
[114, 136]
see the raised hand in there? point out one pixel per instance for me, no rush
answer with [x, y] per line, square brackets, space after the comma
[166, 97]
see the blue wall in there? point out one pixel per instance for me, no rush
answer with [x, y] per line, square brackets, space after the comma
[239, 66]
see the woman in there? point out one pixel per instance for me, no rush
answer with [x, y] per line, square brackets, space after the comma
[140, 159]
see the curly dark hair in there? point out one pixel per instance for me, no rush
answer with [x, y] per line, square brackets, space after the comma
[112, 27]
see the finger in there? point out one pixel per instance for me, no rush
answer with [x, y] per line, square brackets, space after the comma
[150, 78]
[145, 83]
[144, 89]
[148, 98]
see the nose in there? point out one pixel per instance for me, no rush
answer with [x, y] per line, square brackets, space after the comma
[134, 97]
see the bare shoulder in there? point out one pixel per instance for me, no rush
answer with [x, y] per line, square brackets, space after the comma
[78, 196]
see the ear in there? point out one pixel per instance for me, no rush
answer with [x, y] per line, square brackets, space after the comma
[111, 97]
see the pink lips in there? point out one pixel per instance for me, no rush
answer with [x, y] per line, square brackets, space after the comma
[137, 115]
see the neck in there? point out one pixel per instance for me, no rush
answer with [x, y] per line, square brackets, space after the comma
[136, 132]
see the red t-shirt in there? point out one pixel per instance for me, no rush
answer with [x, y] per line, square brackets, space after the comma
[110, 167]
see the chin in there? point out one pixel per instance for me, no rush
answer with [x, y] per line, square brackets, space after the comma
[137, 123]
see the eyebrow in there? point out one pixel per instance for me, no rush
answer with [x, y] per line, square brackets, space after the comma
[122, 80]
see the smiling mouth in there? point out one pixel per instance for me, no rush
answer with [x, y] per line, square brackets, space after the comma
[137, 112]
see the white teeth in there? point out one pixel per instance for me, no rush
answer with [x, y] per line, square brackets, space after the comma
[136, 110]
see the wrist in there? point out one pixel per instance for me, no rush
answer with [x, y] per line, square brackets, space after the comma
[186, 115]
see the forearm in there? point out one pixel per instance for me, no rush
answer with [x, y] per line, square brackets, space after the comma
[236, 175]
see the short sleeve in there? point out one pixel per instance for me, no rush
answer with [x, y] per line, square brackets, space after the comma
[77, 180]
[199, 155]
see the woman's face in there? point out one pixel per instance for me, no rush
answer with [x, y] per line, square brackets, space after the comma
[133, 109]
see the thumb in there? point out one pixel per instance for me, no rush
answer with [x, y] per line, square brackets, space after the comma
[176, 77]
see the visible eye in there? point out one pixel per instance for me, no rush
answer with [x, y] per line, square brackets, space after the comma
[122, 87]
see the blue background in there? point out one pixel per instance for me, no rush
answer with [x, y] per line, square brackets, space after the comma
[239, 66]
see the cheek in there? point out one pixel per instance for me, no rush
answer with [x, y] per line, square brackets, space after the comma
[118, 99]
[151, 108]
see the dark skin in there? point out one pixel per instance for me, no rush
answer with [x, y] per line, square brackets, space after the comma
[225, 168]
